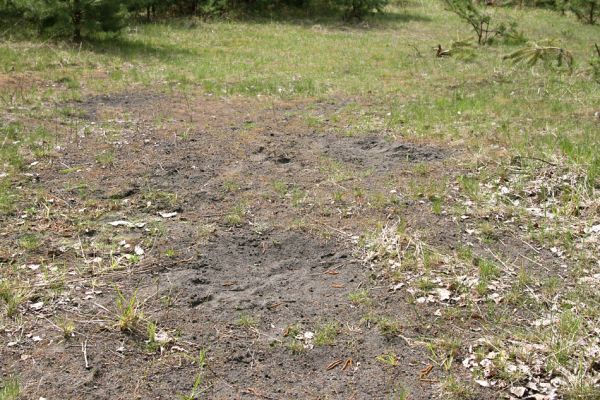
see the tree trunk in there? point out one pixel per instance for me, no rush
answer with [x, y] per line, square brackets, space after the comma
[77, 18]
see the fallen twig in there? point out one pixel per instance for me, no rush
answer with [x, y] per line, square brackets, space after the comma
[84, 350]
[425, 372]
[333, 365]
[347, 364]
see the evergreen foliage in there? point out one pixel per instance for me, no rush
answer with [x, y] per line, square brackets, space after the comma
[587, 11]
[357, 9]
[546, 51]
[482, 23]
[74, 18]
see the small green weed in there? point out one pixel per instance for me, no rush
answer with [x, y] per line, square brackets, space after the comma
[246, 321]
[12, 297]
[388, 327]
[360, 296]
[128, 312]
[326, 334]
[29, 242]
[388, 359]
[236, 216]
[457, 390]
[106, 158]
[10, 389]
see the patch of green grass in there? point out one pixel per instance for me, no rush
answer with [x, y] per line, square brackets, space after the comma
[444, 351]
[298, 196]
[151, 343]
[31, 140]
[583, 392]
[426, 285]
[388, 327]
[201, 362]
[8, 197]
[170, 253]
[128, 312]
[160, 199]
[292, 330]
[80, 189]
[569, 324]
[360, 296]
[295, 346]
[455, 389]
[470, 186]
[205, 231]
[291, 343]
[231, 186]
[338, 197]
[488, 232]
[246, 321]
[436, 205]
[488, 270]
[29, 242]
[10, 389]
[389, 359]
[69, 81]
[11, 141]
[326, 333]
[465, 253]
[236, 215]
[67, 326]
[399, 392]
[280, 187]
[12, 296]
[106, 158]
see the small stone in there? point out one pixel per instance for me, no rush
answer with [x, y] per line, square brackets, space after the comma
[518, 391]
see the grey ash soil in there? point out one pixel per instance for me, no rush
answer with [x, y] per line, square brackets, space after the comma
[284, 264]
[382, 154]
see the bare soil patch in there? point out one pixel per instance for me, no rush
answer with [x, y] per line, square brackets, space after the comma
[244, 250]
[382, 154]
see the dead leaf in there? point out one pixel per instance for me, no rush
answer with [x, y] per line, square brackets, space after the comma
[444, 294]
[333, 365]
[425, 371]
[121, 223]
[347, 364]
[518, 391]
[138, 250]
[167, 214]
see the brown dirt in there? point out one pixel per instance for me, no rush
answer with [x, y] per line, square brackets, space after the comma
[284, 264]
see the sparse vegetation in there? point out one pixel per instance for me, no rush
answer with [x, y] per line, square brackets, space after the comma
[305, 185]
[360, 296]
[389, 359]
[246, 321]
[67, 327]
[200, 363]
[236, 215]
[9, 389]
[325, 334]
[128, 312]
[12, 297]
